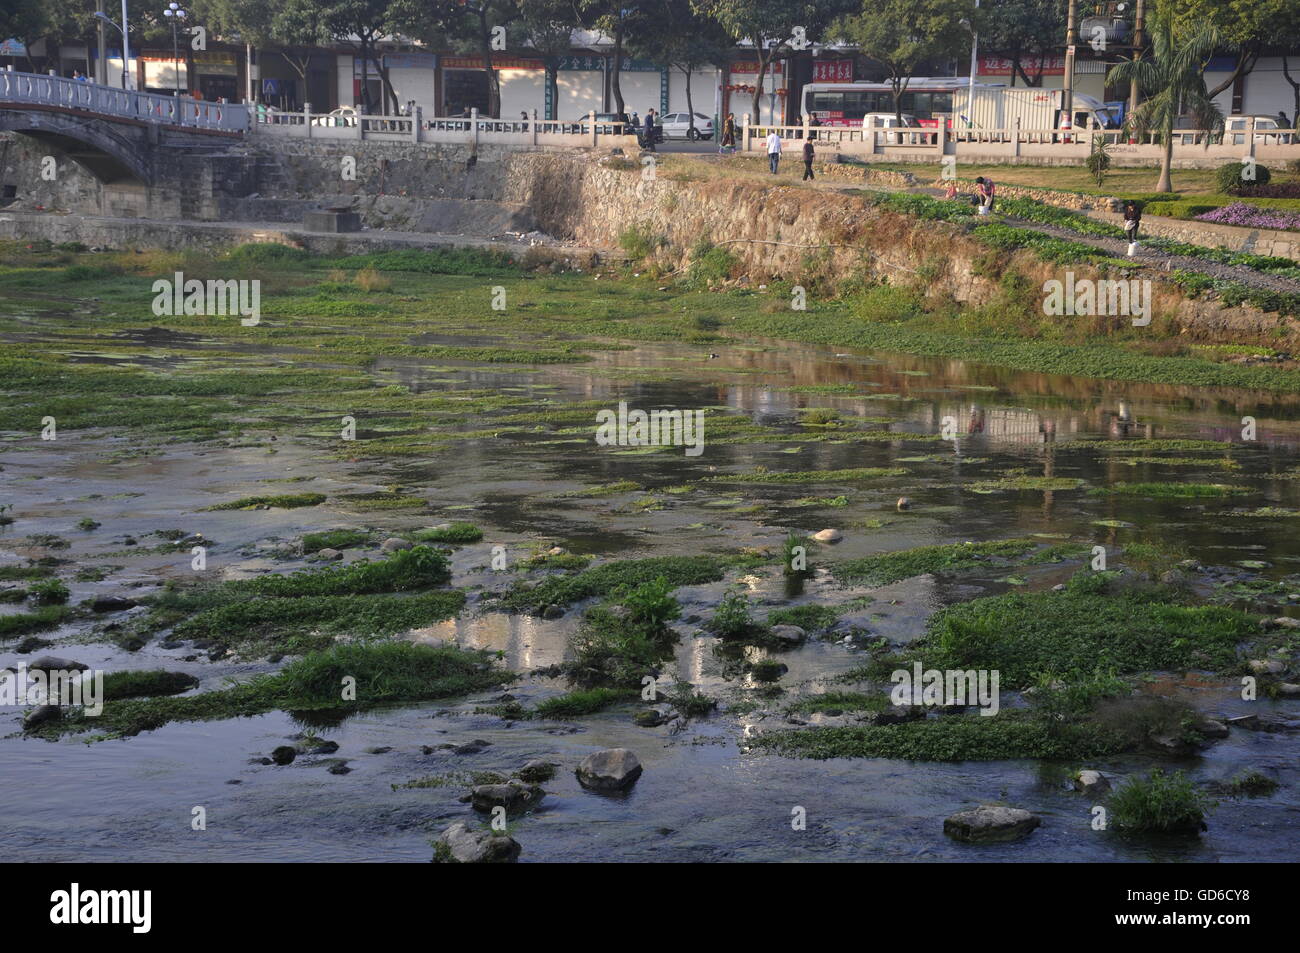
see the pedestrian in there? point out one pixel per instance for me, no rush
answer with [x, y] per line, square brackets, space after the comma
[650, 131]
[951, 191]
[773, 151]
[808, 156]
[984, 187]
[813, 123]
[729, 133]
[79, 76]
[1132, 219]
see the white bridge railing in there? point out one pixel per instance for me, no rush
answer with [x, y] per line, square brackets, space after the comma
[34, 89]
[416, 127]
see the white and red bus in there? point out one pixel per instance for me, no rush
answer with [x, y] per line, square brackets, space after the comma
[928, 99]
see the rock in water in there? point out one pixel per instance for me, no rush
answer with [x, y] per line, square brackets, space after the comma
[52, 663]
[1091, 782]
[284, 754]
[788, 635]
[537, 771]
[515, 796]
[904, 503]
[614, 769]
[460, 844]
[990, 823]
[393, 544]
[828, 536]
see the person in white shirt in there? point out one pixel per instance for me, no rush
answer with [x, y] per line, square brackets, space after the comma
[773, 151]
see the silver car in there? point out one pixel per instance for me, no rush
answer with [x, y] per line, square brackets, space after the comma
[678, 126]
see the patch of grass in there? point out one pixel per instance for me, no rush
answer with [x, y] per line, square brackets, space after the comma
[1159, 803]
[831, 702]
[286, 501]
[21, 623]
[1078, 630]
[21, 573]
[808, 476]
[383, 673]
[48, 592]
[454, 533]
[586, 702]
[1171, 491]
[623, 574]
[333, 539]
[810, 618]
[885, 568]
[142, 684]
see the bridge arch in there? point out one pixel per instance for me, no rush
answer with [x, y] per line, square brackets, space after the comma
[111, 152]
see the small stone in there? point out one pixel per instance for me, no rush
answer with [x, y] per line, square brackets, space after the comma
[614, 769]
[1091, 782]
[53, 663]
[904, 503]
[556, 551]
[1288, 688]
[340, 768]
[460, 844]
[537, 771]
[284, 754]
[1210, 728]
[990, 823]
[1267, 666]
[828, 536]
[41, 715]
[1286, 622]
[394, 544]
[1059, 587]
[553, 612]
[329, 555]
[649, 718]
[112, 604]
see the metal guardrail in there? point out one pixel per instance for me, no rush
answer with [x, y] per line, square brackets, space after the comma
[35, 89]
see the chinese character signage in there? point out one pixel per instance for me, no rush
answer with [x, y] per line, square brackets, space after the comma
[997, 66]
[833, 71]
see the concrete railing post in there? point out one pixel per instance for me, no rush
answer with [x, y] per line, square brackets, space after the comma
[805, 127]
[941, 137]
[592, 117]
[1251, 138]
[473, 128]
[306, 119]
[744, 133]
[417, 115]
[1015, 136]
[533, 127]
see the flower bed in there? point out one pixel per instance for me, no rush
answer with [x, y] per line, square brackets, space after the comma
[1252, 216]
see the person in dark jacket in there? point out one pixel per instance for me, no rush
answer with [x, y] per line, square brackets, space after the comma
[650, 131]
[1132, 219]
[808, 156]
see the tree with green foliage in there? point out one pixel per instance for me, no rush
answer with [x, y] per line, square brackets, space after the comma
[1022, 32]
[470, 26]
[547, 26]
[680, 37]
[902, 35]
[1245, 27]
[1172, 80]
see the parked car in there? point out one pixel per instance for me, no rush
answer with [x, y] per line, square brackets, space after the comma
[342, 116]
[1235, 129]
[678, 126]
[890, 121]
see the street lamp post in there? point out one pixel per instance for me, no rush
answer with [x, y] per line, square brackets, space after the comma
[175, 14]
[126, 42]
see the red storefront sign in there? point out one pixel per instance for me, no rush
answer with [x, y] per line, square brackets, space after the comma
[997, 66]
[833, 71]
[476, 62]
[751, 66]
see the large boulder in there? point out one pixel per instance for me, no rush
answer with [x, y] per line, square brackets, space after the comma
[614, 769]
[788, 635]
[1091, 782]
[461, 844]
[990, 823]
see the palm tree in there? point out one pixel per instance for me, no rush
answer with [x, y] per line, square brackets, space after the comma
[1172, 81]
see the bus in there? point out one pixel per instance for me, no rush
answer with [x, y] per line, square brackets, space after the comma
[844, 104]
[949, 100]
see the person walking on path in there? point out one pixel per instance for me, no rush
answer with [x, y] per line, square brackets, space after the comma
[985, 189]
[773, 151]
[808, 156]
[1132, 219]
[650, 131]
[729, 132]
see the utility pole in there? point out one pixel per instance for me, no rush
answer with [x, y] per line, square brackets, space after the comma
[1139, 23]
[126, 50]
[1067, 93]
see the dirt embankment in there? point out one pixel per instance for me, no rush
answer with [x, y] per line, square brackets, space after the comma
[819, 236]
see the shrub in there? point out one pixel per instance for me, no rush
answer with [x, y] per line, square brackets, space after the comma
[1159, 803]
[651, 606]
[1232, 176]
[639, 242]
[453, 533]
[710, 263]
[370, 280]
[48, 592]
[1098, 160]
